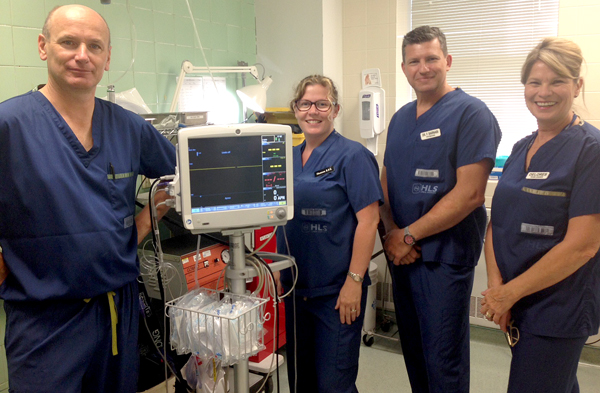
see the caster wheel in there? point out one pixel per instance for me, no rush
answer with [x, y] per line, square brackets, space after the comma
[386, 326]
[368, 341]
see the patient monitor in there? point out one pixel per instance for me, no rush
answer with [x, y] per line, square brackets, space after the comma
[237, 176]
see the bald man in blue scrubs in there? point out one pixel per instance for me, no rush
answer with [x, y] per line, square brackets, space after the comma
[67, 227]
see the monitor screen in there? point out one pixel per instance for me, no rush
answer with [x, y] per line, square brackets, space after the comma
[235, 176]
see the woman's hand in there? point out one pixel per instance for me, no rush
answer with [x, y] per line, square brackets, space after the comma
[348, 301]
[496, 305]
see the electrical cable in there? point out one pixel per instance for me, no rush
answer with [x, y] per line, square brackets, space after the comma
[134, 48]
[293, 294]
[265, 243]
[294, 276]
[196, 261]
[272, 292]
[161, 354]
[263, 69]
[158, 259]
[200, 45]
[156, 238]
[593, 342]
[165, 218]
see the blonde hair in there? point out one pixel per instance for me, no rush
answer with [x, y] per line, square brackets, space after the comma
[560, 55]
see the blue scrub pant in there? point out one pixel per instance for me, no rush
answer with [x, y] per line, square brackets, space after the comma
[66, 345]
[326, 351]
[432, 310]
[545, 364]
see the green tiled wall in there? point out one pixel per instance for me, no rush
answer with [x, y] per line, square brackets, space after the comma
[160, 32]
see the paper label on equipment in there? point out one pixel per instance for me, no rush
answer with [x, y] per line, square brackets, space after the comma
[431, 134]
[537, 175]
[430, 173]
[544, 230]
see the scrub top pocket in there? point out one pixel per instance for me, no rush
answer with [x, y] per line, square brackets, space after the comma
[429, 158]
[121, 187]
[544, 212]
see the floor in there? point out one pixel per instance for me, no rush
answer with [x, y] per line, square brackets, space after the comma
[382, 367]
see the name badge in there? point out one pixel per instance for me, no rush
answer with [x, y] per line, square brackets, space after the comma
[313, 212]
[324, 171]
[431, 134]
[537, 175]
[430, 173]
[544, 230]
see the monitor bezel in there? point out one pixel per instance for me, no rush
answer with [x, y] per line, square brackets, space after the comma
[206, 222]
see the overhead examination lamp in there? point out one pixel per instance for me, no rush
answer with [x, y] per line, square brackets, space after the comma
[253, 97]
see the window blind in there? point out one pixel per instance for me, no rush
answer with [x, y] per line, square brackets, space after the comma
[489, 41]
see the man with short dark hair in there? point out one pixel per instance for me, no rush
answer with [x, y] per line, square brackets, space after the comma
[440, 151]
[68, 233]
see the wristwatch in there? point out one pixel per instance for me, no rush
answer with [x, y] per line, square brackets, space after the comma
[356, 277]
[408, 238]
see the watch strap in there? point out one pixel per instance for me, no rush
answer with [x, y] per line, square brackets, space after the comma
[355, 276]
[408, 237]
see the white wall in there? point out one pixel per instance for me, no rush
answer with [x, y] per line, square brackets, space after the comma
[332, 46]
[295, 39]
[289, 43]
[369, 41]
[578, 21]
[298, 38]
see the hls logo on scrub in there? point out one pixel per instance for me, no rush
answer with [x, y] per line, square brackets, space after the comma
[315, 228]
[418, 188]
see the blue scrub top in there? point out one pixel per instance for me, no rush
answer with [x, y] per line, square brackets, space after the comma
[67, 225]
[421, 159]
[340, 178]
[530, 214]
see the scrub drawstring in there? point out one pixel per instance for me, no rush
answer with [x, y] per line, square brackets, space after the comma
[114, 319]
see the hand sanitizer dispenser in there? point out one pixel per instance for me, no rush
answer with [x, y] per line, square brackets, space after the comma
[371, 108]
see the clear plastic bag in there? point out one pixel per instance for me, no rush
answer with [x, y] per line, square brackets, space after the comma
[228, 330]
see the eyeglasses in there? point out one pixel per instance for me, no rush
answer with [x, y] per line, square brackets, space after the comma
[512, 334]
[321, 105]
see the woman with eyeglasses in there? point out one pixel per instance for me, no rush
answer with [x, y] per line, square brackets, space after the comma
[336, 211]
[542, 243]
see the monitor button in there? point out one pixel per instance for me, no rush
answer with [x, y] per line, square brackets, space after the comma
[281, 213]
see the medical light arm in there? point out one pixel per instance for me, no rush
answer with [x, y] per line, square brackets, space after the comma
[188, 68]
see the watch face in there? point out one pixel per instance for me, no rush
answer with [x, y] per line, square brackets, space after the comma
[408, 239]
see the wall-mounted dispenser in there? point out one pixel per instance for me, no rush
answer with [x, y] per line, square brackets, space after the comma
[371, 108]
